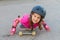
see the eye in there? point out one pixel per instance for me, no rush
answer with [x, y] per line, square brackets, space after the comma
[34, 16]
[38, 17]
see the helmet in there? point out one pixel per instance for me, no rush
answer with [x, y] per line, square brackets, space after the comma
[39, 10]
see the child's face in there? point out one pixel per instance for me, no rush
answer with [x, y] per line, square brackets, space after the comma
[36, 18]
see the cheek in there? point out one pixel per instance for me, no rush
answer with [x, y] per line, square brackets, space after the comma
[33, 17]
[38, 20]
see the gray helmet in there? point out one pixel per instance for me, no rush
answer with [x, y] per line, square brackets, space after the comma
[39, 10]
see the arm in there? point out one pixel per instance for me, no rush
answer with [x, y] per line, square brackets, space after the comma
[45, 25]
[15, 22]
[14, 25]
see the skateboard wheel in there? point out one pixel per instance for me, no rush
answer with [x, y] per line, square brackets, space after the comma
[33, 33]
[20, 33]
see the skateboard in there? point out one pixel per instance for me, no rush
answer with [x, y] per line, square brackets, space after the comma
[24, 31]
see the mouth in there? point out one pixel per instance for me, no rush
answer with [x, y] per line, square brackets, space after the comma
[34, 21]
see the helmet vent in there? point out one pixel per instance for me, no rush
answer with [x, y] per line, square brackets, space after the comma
[38, 9]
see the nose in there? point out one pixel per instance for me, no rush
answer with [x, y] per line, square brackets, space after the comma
[35, 18]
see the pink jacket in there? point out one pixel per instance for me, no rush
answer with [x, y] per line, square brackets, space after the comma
[25, 21]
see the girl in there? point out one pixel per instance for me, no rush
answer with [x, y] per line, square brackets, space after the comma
[35, 19]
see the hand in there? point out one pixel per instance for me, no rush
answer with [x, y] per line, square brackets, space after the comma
[12, 31]
[47, 28]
